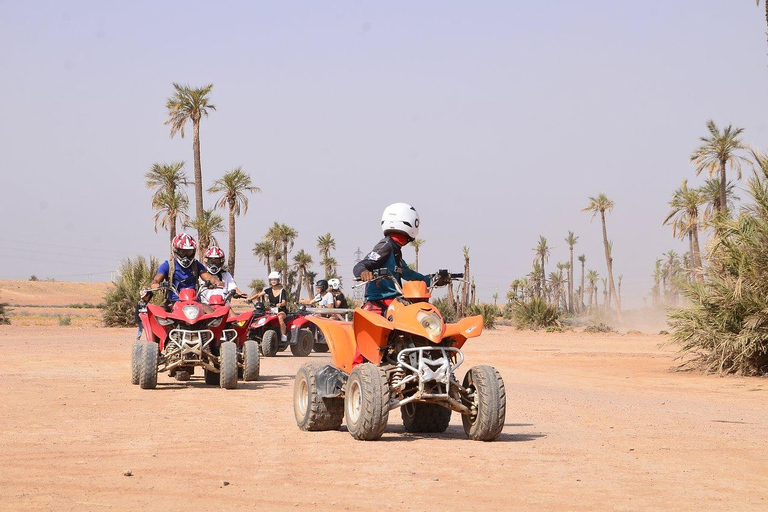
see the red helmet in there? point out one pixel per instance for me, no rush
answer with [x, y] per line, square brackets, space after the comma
[184, 246]
[184, 241]
[214, 259]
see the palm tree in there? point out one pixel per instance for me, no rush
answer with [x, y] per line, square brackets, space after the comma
[466, 278]
[417, 243]
[583, 260]
[190, 104]
[264, 251]
[329, 264]
[302, 261]
[567, 267]
[207, 226]
[166, 180]
[716, 153]
[602, 204]
[684, 218]
[171, 208]
[233, 186]
[571, 240]
[310, 276]
[324, 244]
[711, 193]
[542, 255]
[592, 277]
[757, 2]
[657, 276]
[621, 277]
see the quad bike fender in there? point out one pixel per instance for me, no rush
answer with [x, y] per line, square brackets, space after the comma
[470, 327]
[240, 323]
[330, 382]
[155, 331]
[340, 337]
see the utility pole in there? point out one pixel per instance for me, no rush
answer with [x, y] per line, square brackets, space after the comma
[357, 293]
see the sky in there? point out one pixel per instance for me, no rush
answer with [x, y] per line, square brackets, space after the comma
[496, 120]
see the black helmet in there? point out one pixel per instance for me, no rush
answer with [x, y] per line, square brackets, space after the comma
[323, 284]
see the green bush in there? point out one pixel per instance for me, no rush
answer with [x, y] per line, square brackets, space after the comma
[725, 327]
[4, 320]
[65, 320]
[489, 312]
[120, 301]
[446, 311]
[534, 314]
[600, 327]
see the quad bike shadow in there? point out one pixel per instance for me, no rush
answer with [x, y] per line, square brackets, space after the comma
[412, 356]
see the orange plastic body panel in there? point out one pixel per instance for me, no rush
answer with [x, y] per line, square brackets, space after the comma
[469, 327]
[340, 338]
[415, 290]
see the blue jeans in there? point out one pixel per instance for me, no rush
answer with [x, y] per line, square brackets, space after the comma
[138, 332]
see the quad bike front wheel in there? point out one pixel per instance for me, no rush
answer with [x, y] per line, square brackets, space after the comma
[270, 343]
[320, 348]
[136, 361]
[366, 403]
[312, 411]
[303, 346]
[489, 403]
[228, 365]
[251, 361]
[425, 418]
[148, 365]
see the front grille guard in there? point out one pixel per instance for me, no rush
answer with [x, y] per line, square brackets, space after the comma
[429, 365]
[228, 335]
[189, 347]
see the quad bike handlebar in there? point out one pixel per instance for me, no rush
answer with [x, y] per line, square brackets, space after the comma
[439, 278]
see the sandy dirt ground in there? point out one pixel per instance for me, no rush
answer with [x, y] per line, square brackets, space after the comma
[51, 293]
[594, 422]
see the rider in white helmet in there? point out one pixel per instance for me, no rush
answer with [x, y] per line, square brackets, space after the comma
[400, 225]
[278, 299]
[339, 300]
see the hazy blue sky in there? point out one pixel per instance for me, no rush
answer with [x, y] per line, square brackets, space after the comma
[496, 120]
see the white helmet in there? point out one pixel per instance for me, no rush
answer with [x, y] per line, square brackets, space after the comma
[400, 217]
[334, 283]
[274, 275]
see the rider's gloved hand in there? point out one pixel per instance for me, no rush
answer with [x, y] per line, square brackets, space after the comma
[366, 275]
[441, 280]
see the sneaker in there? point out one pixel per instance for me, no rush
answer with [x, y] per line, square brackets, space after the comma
[284, 338]
[138, 337]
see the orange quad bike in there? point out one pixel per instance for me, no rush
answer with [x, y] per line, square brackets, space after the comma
[412, 356]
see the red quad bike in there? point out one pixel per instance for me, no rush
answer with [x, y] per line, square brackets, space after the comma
[265, 329]
[236, 330]
[182, 339]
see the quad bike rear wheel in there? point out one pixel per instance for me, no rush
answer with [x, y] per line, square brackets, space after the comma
[303, 346]
[148, 366]
[211, 378]
[251, 361]
[490, 400]
[228, 365]
[312, 412]
[270, 343]
[425, 418]
[366, 403]
[136, 361]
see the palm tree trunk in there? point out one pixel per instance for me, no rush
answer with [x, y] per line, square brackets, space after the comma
[417, 259]
[609, 264]
[198, 170]
[696, 252]
[581, 298]
[298, 288]
[173, 233]
[232, 246]
[570, 283]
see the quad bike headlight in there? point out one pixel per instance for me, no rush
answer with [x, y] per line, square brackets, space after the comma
[164, 321]
[191, 312]
[431, 322]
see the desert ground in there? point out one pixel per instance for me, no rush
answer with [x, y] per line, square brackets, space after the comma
[594, 422]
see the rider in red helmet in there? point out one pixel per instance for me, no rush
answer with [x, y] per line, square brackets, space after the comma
[184, 270]
[214, 261]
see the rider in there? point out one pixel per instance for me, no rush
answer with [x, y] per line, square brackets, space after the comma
[214, 260]
[278, 298]
[400, 225]
[323, 297]
[185, 270]
[339, 300]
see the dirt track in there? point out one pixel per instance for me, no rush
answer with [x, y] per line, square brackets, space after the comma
[593, 422]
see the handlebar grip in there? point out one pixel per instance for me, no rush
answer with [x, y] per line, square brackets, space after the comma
[457, 276]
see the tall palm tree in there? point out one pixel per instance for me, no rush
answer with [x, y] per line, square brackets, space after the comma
[233, 187]
[264, 251]
[324, 244]
[571, 240]
[166, 180]
[302, 261]
[171, 208]
[582, 260]
[417, 243]
[542, 255]
[718, 151]
[329, 264]
[466, 277]
[657, 275]
[601, 204]
[190, 104]
[684, 219]
[310, 276]
[287, 238]
[710, 191]
[757, 2]
[207, 226]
